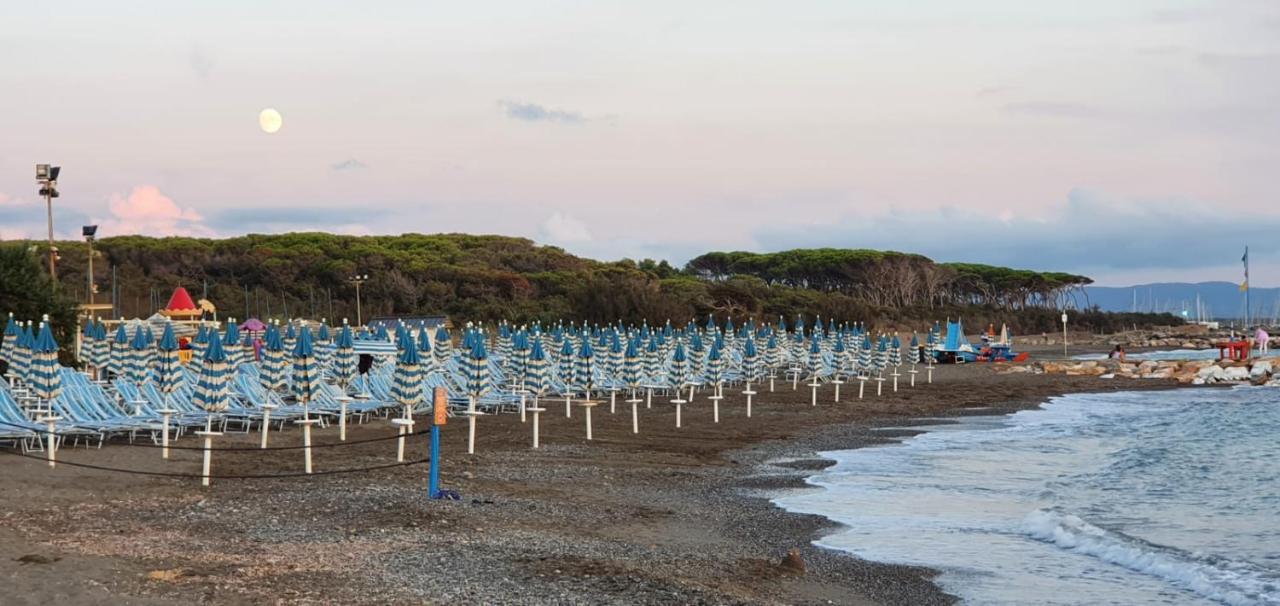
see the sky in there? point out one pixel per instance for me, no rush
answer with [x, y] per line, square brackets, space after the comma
[1129, 141]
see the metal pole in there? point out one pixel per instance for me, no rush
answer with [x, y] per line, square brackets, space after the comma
[433, 484]
[90, 271]
[53, 252]
[359, 317]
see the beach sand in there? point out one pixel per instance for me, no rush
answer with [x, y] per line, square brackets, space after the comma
[666, 517]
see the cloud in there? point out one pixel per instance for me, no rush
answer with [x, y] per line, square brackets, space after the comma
[1230, 61]
[348, 164]
[148, 212]
[532, 112]
[6, 199]
[564, 228]
[201, 63]
[995, 91]
[1092, 232]
[1054, 109]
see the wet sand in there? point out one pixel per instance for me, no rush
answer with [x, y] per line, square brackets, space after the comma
[664, 517]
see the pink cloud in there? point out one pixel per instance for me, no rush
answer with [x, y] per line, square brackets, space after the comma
[148, 212]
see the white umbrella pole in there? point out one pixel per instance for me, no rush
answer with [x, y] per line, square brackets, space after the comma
[522, 409]
[568, 411]
[266, 422]
[52, 449]
[471, 425]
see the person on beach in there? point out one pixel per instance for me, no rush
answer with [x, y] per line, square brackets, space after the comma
[1117, 353]
[1262, 337]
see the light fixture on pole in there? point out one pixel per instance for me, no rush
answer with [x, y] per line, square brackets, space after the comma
[1064, 333]
[89, 232]
[47, 177]
[358, 279]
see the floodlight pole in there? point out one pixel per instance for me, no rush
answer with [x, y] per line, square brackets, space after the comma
[358, 280]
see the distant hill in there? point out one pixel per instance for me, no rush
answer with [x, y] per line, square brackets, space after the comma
[1217, 299]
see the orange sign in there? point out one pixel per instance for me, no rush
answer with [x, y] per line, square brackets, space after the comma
[441, 406]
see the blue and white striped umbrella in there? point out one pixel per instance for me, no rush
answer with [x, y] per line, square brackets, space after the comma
[406, 381]
[584, 366]
[211, 392]
[653, 360]
[424, 351]
[814, 363]
[631, 365]
[914, 355]
[839, 358]
[345, 363]
[772, 353]
[443, 350]
[199, 344]
[10, 340]
[881, 359]
[478, 370]
[568, 371]
[865, 357]
[697, 356]
[231, 345]
[119, 362]
[613, 365]
[679, 366]
[535, 370]
[272, 371]
[750, 360]
[45, 375]
[100, 353]
[306, 372]
[169, 375]
[715, 366]
[139, 367]
[895, 352]
[23, 353]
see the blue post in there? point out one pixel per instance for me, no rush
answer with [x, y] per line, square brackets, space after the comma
[433, 487]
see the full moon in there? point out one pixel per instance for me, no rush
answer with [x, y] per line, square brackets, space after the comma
[270, 120]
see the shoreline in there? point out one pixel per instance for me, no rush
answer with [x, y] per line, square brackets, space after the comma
[669, 516]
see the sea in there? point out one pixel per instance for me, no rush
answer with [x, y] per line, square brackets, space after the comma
[1158, 497]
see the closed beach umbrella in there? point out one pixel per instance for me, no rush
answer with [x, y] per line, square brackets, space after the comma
[424, 350]
[535, 370]
[45, 373]
[585, 367]
[615, 360]
[271, 374]
[881, 359]
[101, 352]
[324, 345]
[914, 354]
[815, 355]
[119, 362]
[231, 345]
[895, 352]
[345, 362]
[750, 360]
[168, 367]
[211, 392]
[839, 357]
[715, 366]
[290, 336]
[568, 372]
[10, 340]
[406, 380]
[478, 370]
[697, 356]
[652, 360]
[631, 371]
[444, 346]
[864, 356]
[199, 343]
[138, 369]
[679, 366]
[306, 372]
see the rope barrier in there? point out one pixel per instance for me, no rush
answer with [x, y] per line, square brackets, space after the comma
[220, 477]
[228, 448]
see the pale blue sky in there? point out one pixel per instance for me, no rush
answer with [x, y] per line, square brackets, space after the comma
[1094, 136]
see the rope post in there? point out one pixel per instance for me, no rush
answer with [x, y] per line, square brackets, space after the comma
[440, 405]
[208, 455]
[306, 441]
[342, 416]
[51, 450]
[165, 413]
[266, 422]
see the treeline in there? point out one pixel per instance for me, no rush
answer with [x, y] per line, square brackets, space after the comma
[494, 277]
[894, 279]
